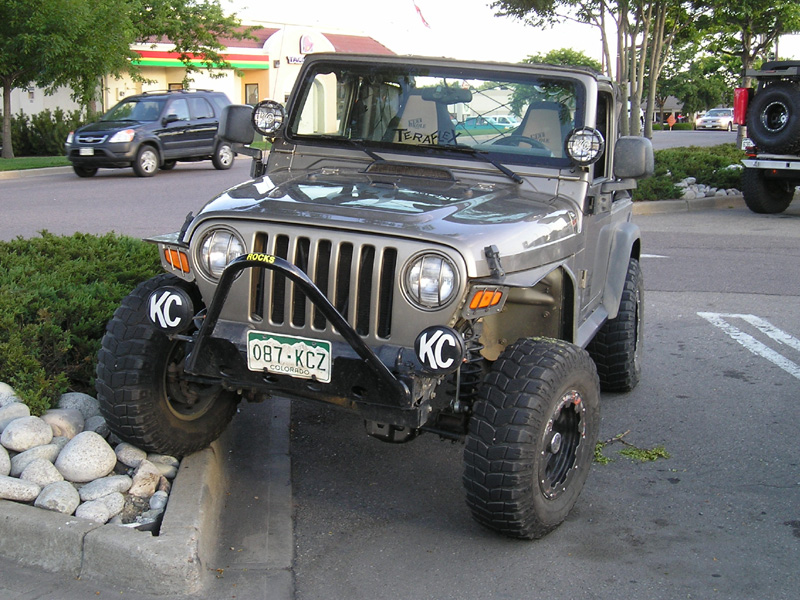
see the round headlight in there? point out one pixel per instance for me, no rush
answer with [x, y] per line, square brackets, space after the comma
[430, 281]
[268, 117]
[217, 249]
[585, 145]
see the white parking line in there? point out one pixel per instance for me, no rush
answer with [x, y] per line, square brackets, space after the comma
[752, 344]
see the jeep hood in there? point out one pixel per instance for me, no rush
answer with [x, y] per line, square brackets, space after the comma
[529, 228]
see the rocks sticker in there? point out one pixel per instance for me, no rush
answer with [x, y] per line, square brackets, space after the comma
[440, 349]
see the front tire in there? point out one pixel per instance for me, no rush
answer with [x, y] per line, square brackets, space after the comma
[143, 393]
[223, 156]
[146, 163]
[617, 346]
[531, 437]
[81, 171]
[766, 196]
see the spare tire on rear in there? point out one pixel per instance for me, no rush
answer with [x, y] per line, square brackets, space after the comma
[773, 120]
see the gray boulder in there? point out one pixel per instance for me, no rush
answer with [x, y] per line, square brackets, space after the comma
[87, 456]
[60, 496]
[25, 433]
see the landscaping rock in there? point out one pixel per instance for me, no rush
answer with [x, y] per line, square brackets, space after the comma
[42, 472]
[66, 422]
[25, 433]
[96, 511]
[7, 394]
[86, 457]
[145, 480]
[5, 462]
[105, 486]
[114, 502]
[12, 488]
[129, 455]
[158, 501]
[11, 411]
[23, 459]
[98, 425]
[60, 496]
[88, 406]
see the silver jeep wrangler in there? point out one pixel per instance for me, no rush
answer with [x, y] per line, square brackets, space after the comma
[401, 253]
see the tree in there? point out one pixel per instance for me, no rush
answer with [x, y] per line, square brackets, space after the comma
[72, 43]
[748, 29]
[644, 33]
[567, 57]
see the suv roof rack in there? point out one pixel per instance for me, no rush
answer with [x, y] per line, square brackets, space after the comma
[180, 91]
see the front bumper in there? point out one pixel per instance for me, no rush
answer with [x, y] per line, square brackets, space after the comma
[384, 384]
[108, 155]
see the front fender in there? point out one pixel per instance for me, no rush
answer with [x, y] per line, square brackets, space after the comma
[625, 244]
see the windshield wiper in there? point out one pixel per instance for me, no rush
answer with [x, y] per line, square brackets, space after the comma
[486, 157]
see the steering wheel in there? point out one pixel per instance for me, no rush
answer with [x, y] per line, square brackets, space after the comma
[515, 140]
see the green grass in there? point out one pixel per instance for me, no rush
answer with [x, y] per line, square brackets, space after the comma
[32, 162]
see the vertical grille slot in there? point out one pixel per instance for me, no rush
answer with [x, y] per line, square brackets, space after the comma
[366, 264]
[343, 273]
[322, 272]
[386, 292]
[301, 254]
[258, 280]
[277, 315]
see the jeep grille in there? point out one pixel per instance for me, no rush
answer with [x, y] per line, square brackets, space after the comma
[357, 278]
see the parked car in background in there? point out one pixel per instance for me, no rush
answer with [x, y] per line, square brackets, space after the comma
[504, 120]
[716, 118]
[152, 130]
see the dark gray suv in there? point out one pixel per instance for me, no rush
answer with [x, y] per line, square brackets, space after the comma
[152, 130]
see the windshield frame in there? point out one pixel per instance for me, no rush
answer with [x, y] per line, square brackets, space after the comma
[519, 75]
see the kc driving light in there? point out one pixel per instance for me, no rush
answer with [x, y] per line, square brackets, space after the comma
[430, 281]
[585, 145]
[218, 248]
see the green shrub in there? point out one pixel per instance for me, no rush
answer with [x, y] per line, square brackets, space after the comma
[43, 134]
[56, 296]
[708, 165]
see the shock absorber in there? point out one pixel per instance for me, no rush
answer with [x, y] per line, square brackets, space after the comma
[470, 375]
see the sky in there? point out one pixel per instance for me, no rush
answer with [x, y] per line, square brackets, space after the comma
[466, 29]
[469, 31]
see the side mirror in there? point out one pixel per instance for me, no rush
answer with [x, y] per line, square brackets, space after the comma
[235, 125]
[633, 158]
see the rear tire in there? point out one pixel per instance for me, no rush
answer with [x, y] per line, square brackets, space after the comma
[773, 119]
[143, 393]
[766, 196]
[531, 437]
[617, 346]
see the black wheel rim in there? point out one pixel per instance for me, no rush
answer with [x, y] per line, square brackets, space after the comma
[775, 116]
[563, 435]
[185, 399]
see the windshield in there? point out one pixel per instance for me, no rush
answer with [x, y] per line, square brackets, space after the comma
[136, 109]
[519, 118]
[719, 113]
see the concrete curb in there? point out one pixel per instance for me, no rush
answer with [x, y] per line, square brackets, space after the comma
[172, 563]
[25, 173]
[656, 207]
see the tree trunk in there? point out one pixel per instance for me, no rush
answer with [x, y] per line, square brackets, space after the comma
[8, 149]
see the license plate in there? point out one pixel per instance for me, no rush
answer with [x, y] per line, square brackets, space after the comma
[86, 151]
[299, 357]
